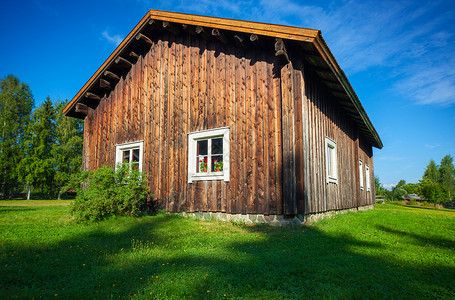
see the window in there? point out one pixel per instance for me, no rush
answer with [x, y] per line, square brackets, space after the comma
[361, 173]
[130, 153]
[367, 177]
[331, 154]
[208, 155]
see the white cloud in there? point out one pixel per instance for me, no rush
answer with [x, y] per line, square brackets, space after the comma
[389, 186]
[430, 146]
[114, 39]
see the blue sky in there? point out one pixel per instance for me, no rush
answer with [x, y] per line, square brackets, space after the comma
[398, 55]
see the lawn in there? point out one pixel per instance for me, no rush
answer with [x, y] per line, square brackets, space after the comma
[390, 252]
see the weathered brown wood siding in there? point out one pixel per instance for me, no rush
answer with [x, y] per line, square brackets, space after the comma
[317, 116]
[185, 83]
[278, 113]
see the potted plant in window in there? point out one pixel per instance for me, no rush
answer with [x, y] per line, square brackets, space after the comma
[203, 165]
[218, 165]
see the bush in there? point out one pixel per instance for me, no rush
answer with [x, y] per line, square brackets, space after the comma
[434, 192]
[107, 192]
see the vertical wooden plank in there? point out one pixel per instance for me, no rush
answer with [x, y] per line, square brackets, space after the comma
[298, 138]
[166, 118]
[271, 158]
[306, 150]
[186, 106]
[250, 131]
[278, 205]
[230, 96]
[241, 112]
[261, 120]
[193, 118]
[210, 113]
[289, 182]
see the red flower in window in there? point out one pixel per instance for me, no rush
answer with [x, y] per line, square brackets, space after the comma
[203, 165]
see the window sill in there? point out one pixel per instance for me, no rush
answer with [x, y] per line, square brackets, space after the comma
[332, 180]
[214, 176]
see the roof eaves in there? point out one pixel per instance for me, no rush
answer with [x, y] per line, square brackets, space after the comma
[325, 52]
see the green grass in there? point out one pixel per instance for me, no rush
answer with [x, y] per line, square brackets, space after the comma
[390, 252]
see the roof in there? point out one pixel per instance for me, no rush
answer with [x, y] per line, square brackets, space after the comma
[314, 49]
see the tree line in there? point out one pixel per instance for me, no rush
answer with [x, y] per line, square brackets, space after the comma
[40, 149]
[437, 184]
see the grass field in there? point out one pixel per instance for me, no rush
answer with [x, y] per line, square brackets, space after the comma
[389, 252]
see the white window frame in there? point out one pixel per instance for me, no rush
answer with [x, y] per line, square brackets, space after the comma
[331, 158]
[367, 177]
[193, 137]
[361, 174]
[119, 148]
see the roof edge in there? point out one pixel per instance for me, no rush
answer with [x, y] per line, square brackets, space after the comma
[325, 52]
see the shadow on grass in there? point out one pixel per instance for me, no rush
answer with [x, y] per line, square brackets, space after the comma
[161, 257]
[420, 239]
[9, 209]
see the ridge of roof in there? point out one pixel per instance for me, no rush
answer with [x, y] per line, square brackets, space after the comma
[272, 30]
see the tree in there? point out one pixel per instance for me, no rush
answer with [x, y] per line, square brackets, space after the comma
[397, 191]
[411, 188]
[16, 104]
[447, 175]
[434, 191]
[378, 186]
[42, 138]
[67, 149]
[432, 172]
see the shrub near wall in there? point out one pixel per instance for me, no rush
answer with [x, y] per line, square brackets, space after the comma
[107, 192]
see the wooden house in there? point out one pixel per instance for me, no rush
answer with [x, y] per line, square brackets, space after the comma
[231, 117]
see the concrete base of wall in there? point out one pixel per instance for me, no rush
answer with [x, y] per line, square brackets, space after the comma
[274, 220]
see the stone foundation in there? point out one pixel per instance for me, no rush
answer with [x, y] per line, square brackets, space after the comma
[274, 220]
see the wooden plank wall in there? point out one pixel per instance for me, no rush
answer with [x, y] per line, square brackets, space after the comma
[279, 115]
[320, 116]
[183, 84]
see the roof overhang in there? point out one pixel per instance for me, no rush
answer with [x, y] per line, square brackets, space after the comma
[321, 58]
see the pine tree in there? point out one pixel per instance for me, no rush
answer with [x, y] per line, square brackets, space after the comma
[42, 138]
[432, 172]
[16, 104]
[447, 174]
[67, 150]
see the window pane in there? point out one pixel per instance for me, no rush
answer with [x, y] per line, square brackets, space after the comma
[201, 164]
[329, 160]
[217, 163]
[135, 155]
[202, 147]
[217, 146]
[126, 156]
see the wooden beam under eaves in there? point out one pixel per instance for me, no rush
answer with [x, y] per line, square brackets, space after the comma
[111, 75]
[144, 39]
[200, 31]
[280, 50]
[169, 26]
[104, 84]
[92, 96]
[124, 63]
[81, 109]
[216, 33]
